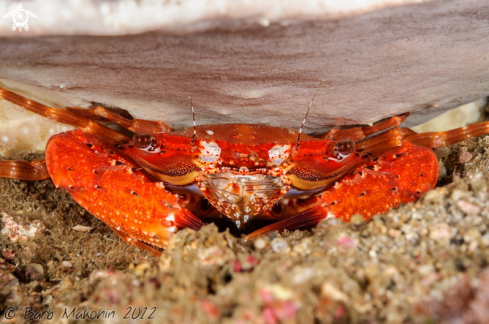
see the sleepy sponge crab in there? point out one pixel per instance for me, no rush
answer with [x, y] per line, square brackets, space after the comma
[148, 186]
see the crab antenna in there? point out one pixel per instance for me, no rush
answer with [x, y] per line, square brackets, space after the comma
[193, 117]
[307, 113]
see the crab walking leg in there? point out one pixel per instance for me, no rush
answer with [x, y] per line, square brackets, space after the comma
[437, 139]
[389, 179]
[358, 133]
[23, 170]
[64, 116]
[139, 210]
[134, 125]
[307, 218]
[397, 136]
[388, 139]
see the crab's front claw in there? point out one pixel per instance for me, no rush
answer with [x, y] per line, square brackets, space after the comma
[398, 175]
[115, 190]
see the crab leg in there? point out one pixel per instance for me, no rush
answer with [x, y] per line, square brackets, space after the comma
[114, 190]
[397, 136]
[437, 139]
[23, 170]
[358, 133]
[390, 178]
[307, 218]
[64, 116]
[380, 142]
[134, 125]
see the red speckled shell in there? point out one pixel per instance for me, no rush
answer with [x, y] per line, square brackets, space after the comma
[110, 188]
[399, 175]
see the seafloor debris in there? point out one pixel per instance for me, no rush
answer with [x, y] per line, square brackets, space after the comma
[81, 228]
[18, 232]
[467, 302]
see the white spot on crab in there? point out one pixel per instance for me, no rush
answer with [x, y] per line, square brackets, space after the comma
[330, 215]
[209, 132]
[279, 153]
[210, 151]
[243, 170]
[160, 185]
[170, 217]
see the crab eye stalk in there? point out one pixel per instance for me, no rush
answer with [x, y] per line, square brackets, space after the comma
[345, 147]
[147, 142]
[142, 140]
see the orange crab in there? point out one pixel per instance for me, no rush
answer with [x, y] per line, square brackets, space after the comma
[147, 187]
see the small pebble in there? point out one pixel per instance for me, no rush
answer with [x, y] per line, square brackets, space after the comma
[260, 243]
[464, 156]
[393, 233]
[34, 272]
[66, 284]
[457, 194]
[328, 290]
[467, 207]
[81, 228]
[473, 246]
[66, 264]
[279, 245]
[440, 232]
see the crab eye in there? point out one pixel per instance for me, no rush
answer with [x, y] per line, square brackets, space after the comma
[142, 140]
[345, 147]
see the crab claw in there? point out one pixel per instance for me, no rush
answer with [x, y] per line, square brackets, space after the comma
[113, 189]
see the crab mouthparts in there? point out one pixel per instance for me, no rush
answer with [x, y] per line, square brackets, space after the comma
[240, 197]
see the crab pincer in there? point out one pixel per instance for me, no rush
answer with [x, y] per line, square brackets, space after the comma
[114, 190]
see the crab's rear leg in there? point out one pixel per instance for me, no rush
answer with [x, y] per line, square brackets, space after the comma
[304, 219]
[64, 116]
[358, 133]
[388, 139]
[437, 139]
[23, 170]
[134, 125]
[396, 136]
